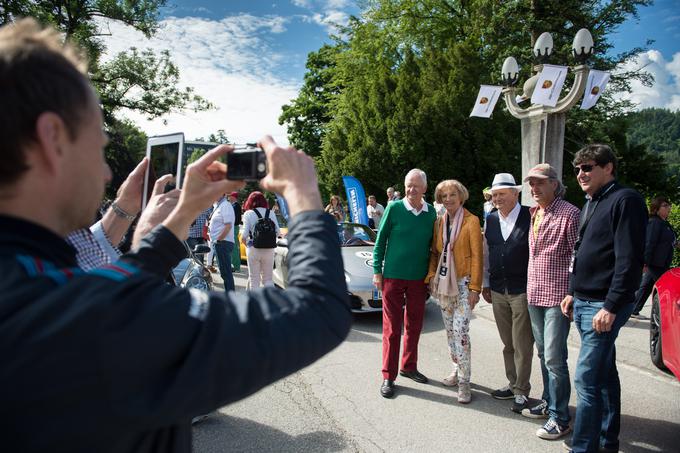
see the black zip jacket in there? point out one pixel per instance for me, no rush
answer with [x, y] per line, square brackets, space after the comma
[660, 243]
[115, 360]
[609, 260]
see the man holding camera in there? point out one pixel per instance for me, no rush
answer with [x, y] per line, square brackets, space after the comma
[115, 359]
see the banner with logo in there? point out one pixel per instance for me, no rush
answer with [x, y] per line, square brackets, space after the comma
[283, 206]
[356, 199]
[549, 85]
[597, 81]
[486, 101]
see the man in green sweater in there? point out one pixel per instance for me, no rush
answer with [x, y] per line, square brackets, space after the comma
[404, 244]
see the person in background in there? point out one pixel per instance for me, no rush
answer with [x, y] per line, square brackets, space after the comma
[606, 267]
[397, 195]
[221, 235]
[554, 229]
[236, 253]
[375, 211]
[661, 240]
[335, 209]
[390, 195]
[488, 204]
[260, 260]
[506, 236]
[455, 277]
[400, 260]
[197, 229]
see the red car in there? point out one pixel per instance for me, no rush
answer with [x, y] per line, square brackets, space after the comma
[664, 328]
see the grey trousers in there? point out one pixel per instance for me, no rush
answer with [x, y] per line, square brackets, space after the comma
[514, 327]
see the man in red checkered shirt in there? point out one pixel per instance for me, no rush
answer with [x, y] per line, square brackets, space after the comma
[554, 230]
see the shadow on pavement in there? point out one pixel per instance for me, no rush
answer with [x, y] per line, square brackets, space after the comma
[645, 435]
[225, 433]
[371, 323]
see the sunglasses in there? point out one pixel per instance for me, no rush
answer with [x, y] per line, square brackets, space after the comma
[585, 168]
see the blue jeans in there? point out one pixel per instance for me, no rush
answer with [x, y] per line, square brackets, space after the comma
[598, 408]
[223, 251]
[551, 329]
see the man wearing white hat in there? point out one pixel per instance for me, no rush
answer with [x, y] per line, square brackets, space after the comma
[506, 237]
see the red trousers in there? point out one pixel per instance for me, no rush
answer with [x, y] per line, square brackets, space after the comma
[403, 301]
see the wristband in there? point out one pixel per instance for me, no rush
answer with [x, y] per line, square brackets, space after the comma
[120, 212]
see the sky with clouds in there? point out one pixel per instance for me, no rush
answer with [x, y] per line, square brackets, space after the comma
[248, 58]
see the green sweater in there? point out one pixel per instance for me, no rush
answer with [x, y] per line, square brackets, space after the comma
[404, 242]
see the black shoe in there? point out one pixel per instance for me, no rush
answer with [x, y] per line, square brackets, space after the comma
[387, 389]
[503, 394]
[521, 402]
[415, 375]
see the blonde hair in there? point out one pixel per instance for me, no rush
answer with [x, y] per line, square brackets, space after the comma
[457, 185]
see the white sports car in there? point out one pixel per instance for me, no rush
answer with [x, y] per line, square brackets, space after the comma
[357, 242]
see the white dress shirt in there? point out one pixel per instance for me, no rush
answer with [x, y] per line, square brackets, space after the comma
[412, 209]
[222, 216]
[508, 223]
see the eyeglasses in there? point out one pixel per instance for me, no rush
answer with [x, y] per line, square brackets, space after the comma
[665, 205]
[585, 168]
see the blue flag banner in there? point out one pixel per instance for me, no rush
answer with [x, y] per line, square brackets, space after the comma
[356, 199]
[283, 206]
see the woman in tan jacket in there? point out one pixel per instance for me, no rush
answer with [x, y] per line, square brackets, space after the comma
[455, 277]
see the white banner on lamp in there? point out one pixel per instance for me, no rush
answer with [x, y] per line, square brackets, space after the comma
[597, 81]
[549, 85]
[486, 101]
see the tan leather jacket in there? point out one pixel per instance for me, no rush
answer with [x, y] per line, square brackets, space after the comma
[468, 252]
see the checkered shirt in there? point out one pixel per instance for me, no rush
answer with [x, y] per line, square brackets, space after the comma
[550, 253]
[196, 229]
[89, 253]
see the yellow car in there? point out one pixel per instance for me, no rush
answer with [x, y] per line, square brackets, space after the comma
[283, 230]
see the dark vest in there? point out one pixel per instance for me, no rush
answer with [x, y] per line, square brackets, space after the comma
[508, 260]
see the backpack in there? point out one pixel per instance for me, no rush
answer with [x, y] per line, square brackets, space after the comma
[264, 232]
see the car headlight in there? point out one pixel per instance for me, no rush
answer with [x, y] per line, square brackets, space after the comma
[197, 282]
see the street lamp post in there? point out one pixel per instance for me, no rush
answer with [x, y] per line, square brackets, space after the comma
[543, 126]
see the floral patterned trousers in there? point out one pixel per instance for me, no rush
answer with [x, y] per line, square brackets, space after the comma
[456, 315]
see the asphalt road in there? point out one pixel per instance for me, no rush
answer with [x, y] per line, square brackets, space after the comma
[334, 405]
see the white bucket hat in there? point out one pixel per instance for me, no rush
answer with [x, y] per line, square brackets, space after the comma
[504, 181]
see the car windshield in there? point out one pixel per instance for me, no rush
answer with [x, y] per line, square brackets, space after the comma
[355, 235]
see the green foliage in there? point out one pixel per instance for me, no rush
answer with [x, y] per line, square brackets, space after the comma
[659, 131]
[674, 220]
[403, 80]
[127, 146]
[307, 115]
[138, 80]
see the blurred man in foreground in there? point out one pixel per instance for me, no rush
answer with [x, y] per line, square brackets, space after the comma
[115, 359]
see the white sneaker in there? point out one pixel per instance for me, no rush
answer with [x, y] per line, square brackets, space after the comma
[450, 380]
[552, 430]
[464, 395]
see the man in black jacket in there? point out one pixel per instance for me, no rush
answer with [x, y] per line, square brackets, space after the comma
[605, 270]
[114, 359]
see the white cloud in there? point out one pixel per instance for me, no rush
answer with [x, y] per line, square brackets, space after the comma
[665, 92]
[230, 62]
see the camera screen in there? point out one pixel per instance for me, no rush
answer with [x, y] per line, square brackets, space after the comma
[162, 161]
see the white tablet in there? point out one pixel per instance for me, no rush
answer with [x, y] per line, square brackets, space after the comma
[165, 154]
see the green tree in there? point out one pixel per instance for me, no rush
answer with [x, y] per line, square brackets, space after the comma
[408, 73]
[138, 80]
